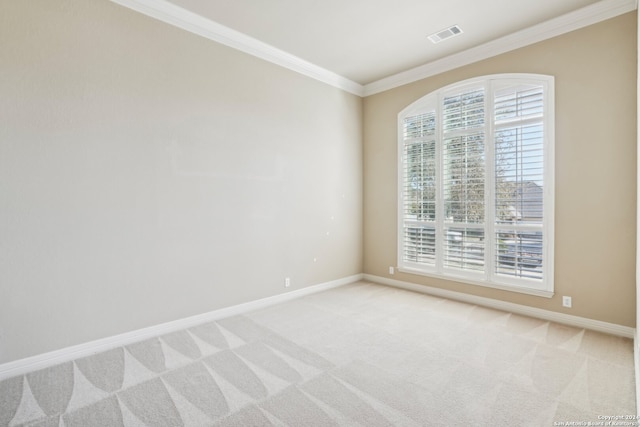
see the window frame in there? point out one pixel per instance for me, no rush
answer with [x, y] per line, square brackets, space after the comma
[489, 277]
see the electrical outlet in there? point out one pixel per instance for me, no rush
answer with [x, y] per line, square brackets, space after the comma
[392, 270]
[566, 302]
[287, 282]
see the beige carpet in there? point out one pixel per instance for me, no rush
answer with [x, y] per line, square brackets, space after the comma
[358, 355]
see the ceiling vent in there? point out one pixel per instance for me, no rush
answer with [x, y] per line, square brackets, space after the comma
[445, 34]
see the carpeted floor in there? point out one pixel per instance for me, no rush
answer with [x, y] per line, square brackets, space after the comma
[358, 355]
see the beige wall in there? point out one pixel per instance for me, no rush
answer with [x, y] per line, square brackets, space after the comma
[636, 340]
[148, 174]
[595, 80]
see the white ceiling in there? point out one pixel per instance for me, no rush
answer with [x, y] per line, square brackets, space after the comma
[369, 46]
[367, 40]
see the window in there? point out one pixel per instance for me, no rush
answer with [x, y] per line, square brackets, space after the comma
[476, 183]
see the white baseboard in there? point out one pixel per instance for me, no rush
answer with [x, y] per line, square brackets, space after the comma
[636, 362]
[45, 360]
[567, 319]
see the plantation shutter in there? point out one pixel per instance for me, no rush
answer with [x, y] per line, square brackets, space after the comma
[419, 188]
[519, 180]
[463, 179]
[476, 183]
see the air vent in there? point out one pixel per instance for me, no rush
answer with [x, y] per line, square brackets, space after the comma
[445, 34]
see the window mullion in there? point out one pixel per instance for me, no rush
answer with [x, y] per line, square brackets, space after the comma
[439, 186]
[490, 186]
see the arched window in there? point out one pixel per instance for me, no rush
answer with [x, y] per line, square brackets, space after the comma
[476, 174]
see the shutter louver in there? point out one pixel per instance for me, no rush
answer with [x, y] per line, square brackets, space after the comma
[463, 111]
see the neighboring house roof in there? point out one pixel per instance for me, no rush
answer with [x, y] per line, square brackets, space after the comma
[527, 201]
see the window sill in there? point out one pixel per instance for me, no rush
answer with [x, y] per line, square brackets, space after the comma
[511, 288]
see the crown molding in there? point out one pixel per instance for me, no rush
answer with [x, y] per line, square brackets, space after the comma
[580, 18]
[194, 23]
[174, 15]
